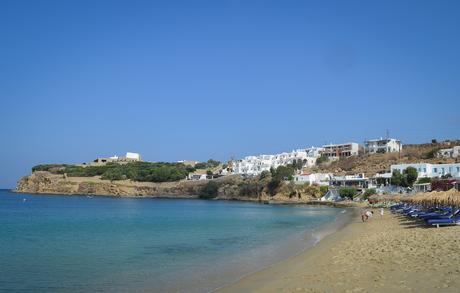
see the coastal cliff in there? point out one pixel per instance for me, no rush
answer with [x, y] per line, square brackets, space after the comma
[233, 187]
[46, 182]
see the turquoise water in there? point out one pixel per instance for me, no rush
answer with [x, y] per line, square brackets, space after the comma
[52, 243]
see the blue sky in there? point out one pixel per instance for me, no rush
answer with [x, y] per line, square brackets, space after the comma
[180, 80]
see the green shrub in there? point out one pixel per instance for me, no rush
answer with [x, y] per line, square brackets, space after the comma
[348, 192]
[321, 160]
[209, 190]
[210, 164]
[49, 167]
[405, 179]
[136, 171]
[424, 180]
[369, 192]
[411, 175]
[323, 190]
[273, 185]
[431, 154]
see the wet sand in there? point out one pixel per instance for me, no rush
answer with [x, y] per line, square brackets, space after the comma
[385, 254]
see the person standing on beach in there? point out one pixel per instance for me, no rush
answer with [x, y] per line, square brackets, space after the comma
[369, 214]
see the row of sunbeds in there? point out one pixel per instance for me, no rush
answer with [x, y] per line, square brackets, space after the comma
[433, 216]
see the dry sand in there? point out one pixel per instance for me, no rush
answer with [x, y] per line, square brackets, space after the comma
[385, 254]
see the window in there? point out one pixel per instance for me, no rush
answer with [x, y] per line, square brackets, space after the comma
[424, 170]
[435, 170]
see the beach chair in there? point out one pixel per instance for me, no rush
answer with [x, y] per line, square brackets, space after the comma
[445, 215]
[444, 222]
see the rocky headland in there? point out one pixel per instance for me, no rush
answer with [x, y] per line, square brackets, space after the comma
[234, 187]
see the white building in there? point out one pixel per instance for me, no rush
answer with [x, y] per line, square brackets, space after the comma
[357, 180]
[430, 170]
[449, 153]
[333, 151]
[196, 176]
[313, 178]
[382, 145]
[254, 165]
[133, 156]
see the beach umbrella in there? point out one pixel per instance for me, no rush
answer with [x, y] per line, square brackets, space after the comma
[445, 198]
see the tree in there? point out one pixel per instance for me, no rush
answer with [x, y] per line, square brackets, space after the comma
[405, 179]
[410, 174]
[297, 164]
[284, 172]
[348, 192]
[397, 178]
[209, 172]
[209, 190]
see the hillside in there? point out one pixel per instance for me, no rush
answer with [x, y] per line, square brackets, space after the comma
[233, 187]
[379, 163]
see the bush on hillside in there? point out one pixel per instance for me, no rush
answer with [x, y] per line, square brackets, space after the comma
[348, 192]
[48, 167]
[369, 192]
[209, 191]
[321, 160]
[210, 164]
[136, 171]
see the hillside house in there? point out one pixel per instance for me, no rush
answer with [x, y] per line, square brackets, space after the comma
[382, 145]
[344, 150]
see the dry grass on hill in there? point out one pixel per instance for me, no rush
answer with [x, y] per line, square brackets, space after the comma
[378, 163]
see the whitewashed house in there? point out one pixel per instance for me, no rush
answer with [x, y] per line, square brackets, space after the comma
[313, 178]
[430, 170]
[133, 156]
[254, 165]
[449, 153]
[382, 145]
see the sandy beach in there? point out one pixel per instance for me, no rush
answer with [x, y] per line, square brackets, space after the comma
[385, 254]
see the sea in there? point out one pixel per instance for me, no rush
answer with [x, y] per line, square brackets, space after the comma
[62, 243]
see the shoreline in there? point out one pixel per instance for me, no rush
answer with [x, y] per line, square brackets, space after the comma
[385, 254]
[331, 230]
[341, 204]
[310, 240]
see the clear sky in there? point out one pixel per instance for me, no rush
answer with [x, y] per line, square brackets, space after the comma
[180, 80]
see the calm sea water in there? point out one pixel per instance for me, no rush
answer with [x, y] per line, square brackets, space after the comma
[52, 243]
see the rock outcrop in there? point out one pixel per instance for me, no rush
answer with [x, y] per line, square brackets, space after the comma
[45, 182]
[229, 188]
